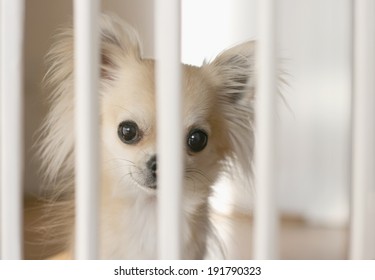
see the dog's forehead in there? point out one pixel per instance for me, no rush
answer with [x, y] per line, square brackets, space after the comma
[197, 95]
[135, 93]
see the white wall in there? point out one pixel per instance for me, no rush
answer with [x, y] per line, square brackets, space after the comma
[314, 172]
[210, 26]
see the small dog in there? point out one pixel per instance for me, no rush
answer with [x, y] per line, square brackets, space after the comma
[217, 120]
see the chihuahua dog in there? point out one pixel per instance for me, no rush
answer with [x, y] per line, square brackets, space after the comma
[217, 124]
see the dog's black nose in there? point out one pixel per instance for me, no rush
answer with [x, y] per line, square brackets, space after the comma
[152, 166]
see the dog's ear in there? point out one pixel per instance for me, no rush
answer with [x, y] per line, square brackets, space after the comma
[232, 73]
[232, 77]
[118, 41]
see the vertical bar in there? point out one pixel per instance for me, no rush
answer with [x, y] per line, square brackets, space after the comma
[265, 212]
[363, 131]
[12, 29]
[169, 120]
[86, 44]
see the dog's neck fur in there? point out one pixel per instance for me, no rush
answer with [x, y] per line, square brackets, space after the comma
[138, 212]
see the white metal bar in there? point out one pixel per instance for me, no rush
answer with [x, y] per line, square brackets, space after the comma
[86, 44]
[12, 31]
[362, 245]
[265, 212]
[169, 124]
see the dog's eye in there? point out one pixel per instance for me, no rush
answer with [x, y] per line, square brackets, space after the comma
[197, 140]
[128, 132]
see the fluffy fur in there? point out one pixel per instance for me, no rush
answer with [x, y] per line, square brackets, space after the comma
[218, 98]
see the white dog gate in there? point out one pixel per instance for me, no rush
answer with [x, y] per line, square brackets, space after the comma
[167, 34]
[12, 13]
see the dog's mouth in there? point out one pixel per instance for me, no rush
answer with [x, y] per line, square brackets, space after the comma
[144, 184]
[152, 187]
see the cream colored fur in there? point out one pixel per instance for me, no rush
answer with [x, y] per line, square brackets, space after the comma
[218, 98]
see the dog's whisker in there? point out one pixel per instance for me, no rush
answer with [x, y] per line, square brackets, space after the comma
[117, 167]
[200, 173]
[193, 182]
[118, 159]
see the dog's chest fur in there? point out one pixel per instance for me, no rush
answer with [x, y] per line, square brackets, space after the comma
[129, 229]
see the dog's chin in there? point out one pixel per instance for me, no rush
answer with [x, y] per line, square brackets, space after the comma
[143, 186]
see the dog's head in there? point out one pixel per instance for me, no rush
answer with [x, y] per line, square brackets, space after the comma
[217, 113]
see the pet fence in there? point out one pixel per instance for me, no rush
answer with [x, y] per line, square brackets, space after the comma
[169, 119]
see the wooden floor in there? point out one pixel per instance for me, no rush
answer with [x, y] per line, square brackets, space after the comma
[37, 243]
[297, 239]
